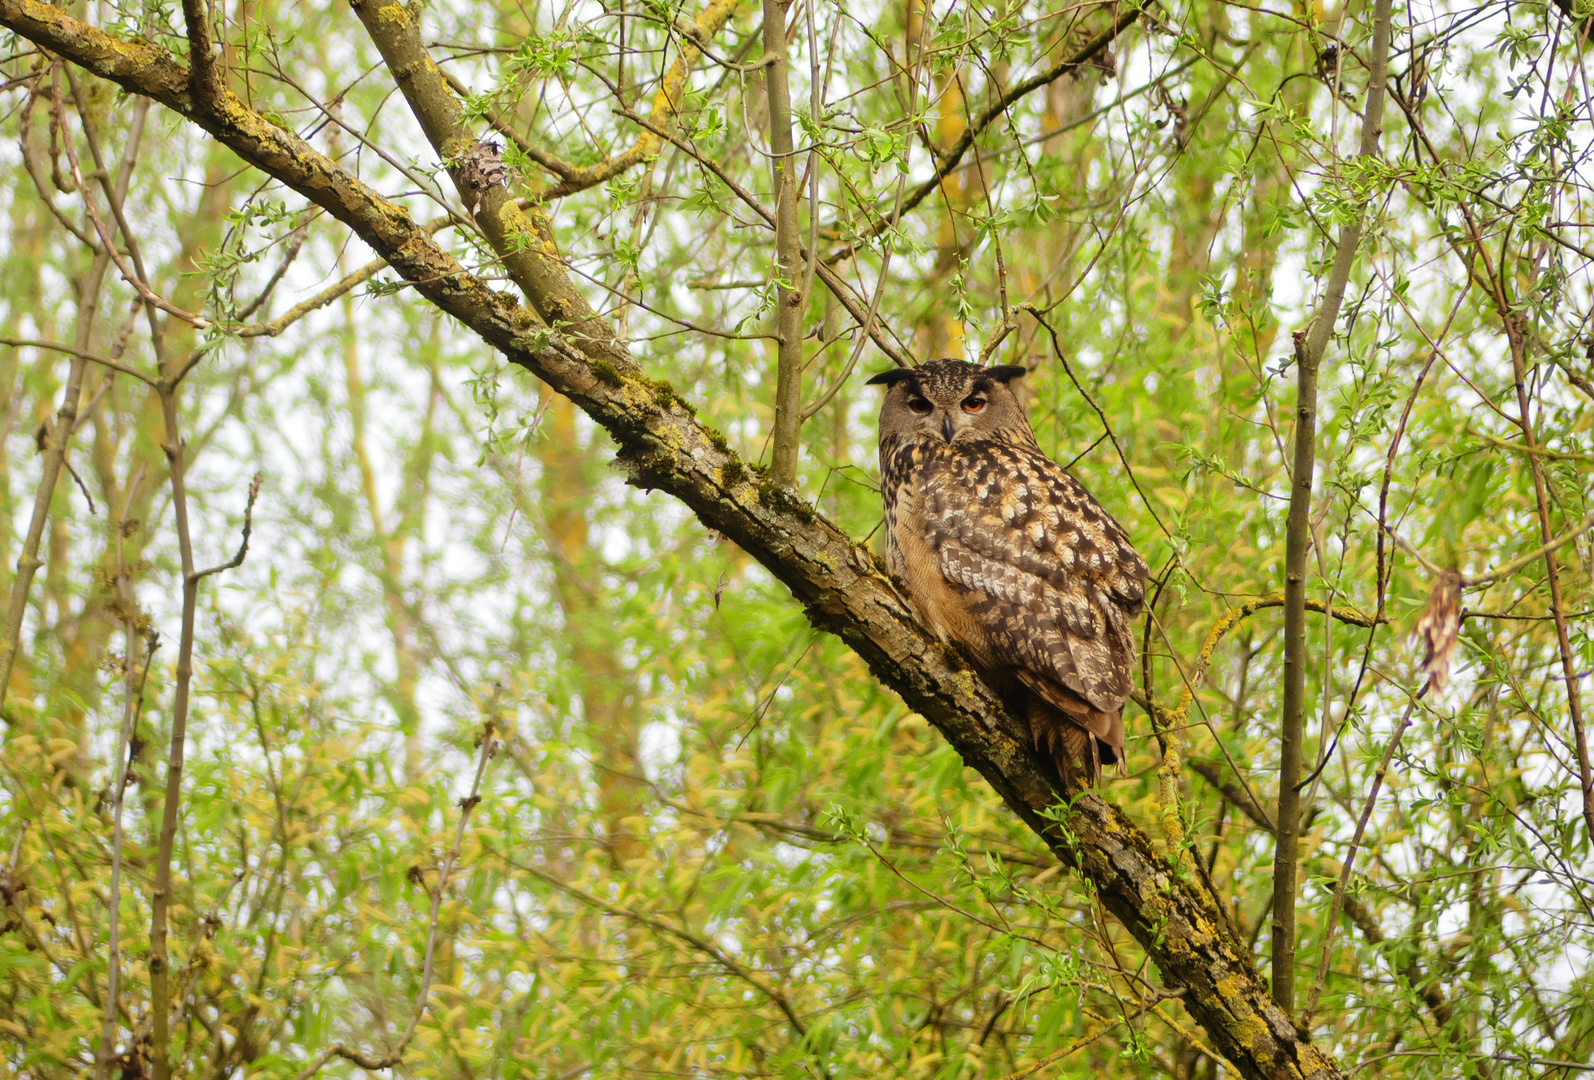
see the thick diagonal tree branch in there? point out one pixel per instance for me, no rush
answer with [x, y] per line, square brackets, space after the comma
[663, 446]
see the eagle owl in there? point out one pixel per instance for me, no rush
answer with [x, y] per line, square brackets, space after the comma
[1008, 556]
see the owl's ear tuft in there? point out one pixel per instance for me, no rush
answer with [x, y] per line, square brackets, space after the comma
[892, 377]
[1005, 373]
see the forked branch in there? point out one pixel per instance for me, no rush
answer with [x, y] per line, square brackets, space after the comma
[666, 108]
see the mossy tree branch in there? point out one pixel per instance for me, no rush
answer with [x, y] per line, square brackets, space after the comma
[663, 446]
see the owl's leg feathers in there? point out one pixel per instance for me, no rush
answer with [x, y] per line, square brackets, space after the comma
[1071, 748]
[1077, 734]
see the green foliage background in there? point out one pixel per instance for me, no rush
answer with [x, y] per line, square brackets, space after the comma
[707, 842]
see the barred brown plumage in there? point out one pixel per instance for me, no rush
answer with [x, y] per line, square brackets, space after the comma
[1008, 556]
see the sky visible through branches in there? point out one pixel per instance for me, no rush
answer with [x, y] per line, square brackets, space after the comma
[493, 764]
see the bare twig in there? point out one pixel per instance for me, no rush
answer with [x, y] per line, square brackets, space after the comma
[488, 745]
[1235, 794]
[243, 545]
[1350, 859]
[81, 354]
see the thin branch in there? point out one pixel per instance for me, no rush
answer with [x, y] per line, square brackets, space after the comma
[1123, 459]
[1504, 570]
[1350, 859]
[1514, 322]
[243, 545]
[1554, 455]
[888, 248]
[948, 161]
[296, 241]
[1235, 794]
[1079, 1044]
[329, 294]
[316, 302]
[81, 354]
[1179, 715]
[1542, 552]
[1310, 347]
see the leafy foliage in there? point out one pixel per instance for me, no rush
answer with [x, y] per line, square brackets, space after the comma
[477, 728]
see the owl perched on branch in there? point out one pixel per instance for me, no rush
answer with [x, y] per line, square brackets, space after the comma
[1009, 557]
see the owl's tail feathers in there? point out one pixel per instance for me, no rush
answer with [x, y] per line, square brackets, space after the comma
[1078, 735]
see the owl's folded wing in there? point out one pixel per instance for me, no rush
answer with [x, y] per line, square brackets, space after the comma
[1055, 579]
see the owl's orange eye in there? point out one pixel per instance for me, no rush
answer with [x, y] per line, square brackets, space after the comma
[919, 405]
[973, 404]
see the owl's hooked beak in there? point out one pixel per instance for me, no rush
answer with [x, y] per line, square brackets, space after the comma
[946, 427]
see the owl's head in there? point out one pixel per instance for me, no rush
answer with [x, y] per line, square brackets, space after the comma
[952, 401]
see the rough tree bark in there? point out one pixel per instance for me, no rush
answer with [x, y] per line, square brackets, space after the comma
[842, 590]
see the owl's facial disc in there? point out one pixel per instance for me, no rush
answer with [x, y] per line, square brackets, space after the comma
[950, 403]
